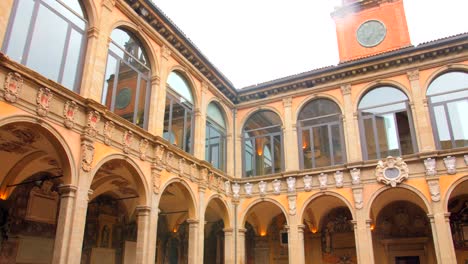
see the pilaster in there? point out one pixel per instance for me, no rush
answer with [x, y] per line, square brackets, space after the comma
[201, 226]
[143, 219]
[193, 241]
[291, 161]
[228, 245]
[350, 126]
[363, 236]
[155, 125]
[241, 246]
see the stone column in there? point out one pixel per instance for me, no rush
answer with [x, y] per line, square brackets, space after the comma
[295, 243]
[153, 123]
[241, 245]
[350, 127]
[193, 241]
[64, 223]
[291, 160]
[228, 246]
[442, 237]
[363, 236]
[143, 219]
[420, 114]
[300, 244]
[201, 219]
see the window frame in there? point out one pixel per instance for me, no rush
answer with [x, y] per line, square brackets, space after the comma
[213, 125]
[31, 30]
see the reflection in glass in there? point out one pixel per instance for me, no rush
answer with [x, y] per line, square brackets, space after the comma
[56, 53]
[215, 146]
[320, 134]
[126, 87]
[448, 97]
[384, 118]
[263, 149]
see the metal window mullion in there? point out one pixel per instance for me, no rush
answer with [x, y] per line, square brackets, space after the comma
[254, 157]
[376, 137]
[147, 99]
[312, 146]
[449, 92]
[272, 154]
[342, 146]
[169, 126]
[32, 26]
[137, 99]
[449, 124]
[397, 131]
[184, 134]
[282, 152]
[301, 151]
[414, 142]
[53, 10]
[64, 54]
[192, 131]
[382, 105]
[79, 70]
[330, 141]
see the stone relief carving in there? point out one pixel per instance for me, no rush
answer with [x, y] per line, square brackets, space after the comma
[127, 140]
[323, 180]
[291, 181]
[276, 187]
[434, 189]
[355, 176]
[156, 177]
[204, 174]
[292, 204]
[144, 143]
[181, 167]
[87, 155]
[43, 99]
[169, 161]
[193, 171]
[450, 163]
[227, 187]
[159, 154]
[108, 132]
[307, 183]
[262, 186]
[358, 199]
[346, 89]
[430, 165]
[13, 86]
[391, 171]
[235, 190]
[248, 189]
[69, 111]
[91, 124]
[339, 179]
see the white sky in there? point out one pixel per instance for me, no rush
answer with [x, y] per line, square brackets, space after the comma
[253, 41]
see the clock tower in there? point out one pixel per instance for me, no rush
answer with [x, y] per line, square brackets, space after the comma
[369, 27]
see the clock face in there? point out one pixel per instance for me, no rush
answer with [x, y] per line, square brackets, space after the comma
[371, 33]
[123, 98]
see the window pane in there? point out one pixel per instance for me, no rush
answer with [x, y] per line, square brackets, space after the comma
[387, 135]
[459, 124]
[179, 85]
[72, 61]
[369, 138]
[142, 102]
[404, 133]
[448, 82]
[45, 55]
[277, 150]
[188, 132]
[265, 156]
[306, 149]
[177, 128]
[321, 151]
[380, 96]
[76, 20]
[337, 147]
[19, 30]
[109, 81]
[384, 109]
[442, 127]
[126, 92]
[249, 155]
[449, 96]
[214, 113]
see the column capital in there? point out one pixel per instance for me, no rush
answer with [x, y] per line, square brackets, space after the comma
[287, 102]
[413, 75]
[90, 193]
[155, 80]
[193, 222]
[143, 210]
[93, 32]
[242, 230]
[346, 89]
[228, 230]
[67, 190]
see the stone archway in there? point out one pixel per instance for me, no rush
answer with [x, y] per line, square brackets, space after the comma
[266, 236]
[458, 209]
[329, 231]
[216, 220]
[111, 229]
[34, 166]
[176, 233]
[401, 229]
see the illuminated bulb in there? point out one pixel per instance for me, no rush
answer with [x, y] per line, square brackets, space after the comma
[314, 230]
[174, 230]
[372, 227]
[263, 233]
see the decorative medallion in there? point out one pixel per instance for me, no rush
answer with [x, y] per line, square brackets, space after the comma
[43, 98]
[108, 132]
[339, 179]
[371, 33]
[355, 176]
[159, 154]
[307, 183]
[69, 111]
[292, 204]
[450, 163]
[291, 181]
[123, 98]
[358, 198]
[391, 171]
[262, 186]
[248, 189]
[276, 186]
[87, 155]
[323, 180]
[227, 187]
[13, 85]
[91, 125]
[235, 190]
[127, 141]
[144, 143]
[434, 189]
[430, 165]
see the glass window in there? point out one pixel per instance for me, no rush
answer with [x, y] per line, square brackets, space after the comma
[178, 115]
[320, 134]
[448, 99]
[57, 54]
[263, 144]
[126, 86]
[215, 147]
[386, 125]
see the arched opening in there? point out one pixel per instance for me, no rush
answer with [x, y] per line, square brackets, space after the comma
[176, 213]
[215, 243]
[320, 134]
[401, 230]
[458, 209]
[111, 218]
[266, 237]
[329, 232]
[215, 147]
[263, 144]
[126, 88]
[57, 54]
[448, 99]
[34, 166]
[386, 124]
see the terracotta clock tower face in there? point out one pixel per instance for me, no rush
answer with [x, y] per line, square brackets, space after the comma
[369, 27]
